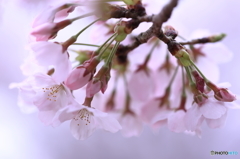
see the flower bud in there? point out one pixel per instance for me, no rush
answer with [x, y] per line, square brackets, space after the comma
[224, 95]
[216, 38]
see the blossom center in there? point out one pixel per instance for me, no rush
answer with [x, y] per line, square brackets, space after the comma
[53, 92]
[84, 115]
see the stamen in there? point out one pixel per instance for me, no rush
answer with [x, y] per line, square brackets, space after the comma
[84, 115]
[53, 92]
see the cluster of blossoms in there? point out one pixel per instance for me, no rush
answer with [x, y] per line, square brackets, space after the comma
[167, 88]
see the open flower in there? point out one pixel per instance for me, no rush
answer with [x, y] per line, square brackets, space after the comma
[132, 125]
[43, 93]
[45, 56]
[85, 120]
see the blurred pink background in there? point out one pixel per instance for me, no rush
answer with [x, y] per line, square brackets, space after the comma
[23, 136]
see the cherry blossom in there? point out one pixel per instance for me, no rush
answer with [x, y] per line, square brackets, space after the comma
[57, 59]
[131, 124]
[141, 85]
[85, 120]
[44, 93]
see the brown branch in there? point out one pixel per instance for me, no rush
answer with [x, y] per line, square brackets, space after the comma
[165, 13]
[210, 39]
[154, 30]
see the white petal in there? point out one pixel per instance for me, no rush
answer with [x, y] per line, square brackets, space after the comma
[176, 121]
[217, 123]
[108, 123]
[82, 129]
[131, 125]
[56, 58]
[192, 117]
[213, 109]
[66, 113]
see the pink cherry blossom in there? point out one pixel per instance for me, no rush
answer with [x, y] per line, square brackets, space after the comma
[50, 55]
[176, 121]
[140, 85]
[26, 95]
[85, 120]
[153, 112]
[131, 124]
[44, 93]
[51, 96]
[212, 110]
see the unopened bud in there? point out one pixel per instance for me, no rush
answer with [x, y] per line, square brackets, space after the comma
[224, 95]
[170, 31]
[216, 38]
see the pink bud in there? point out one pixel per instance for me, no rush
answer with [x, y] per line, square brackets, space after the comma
[224, 95]
[49, 30]
[78, 78]
[93, 87]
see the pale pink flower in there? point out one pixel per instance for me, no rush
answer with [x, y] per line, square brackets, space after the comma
[212, 110]
[26, 95]
[85, 120]
[131, 124]
[140, 85]
[48, 55]
[152, 111]
[51, 96]
[42, 92]
[176, 121]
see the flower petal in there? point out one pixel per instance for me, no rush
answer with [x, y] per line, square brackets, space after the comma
[176, 121]
[213, 109]
[192, 117]
[217, 123]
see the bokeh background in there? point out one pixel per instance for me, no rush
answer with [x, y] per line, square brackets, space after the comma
[25, 137]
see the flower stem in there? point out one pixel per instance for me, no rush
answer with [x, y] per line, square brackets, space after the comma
[205, 79]
[76, 36]
[173, 77]
[183, 83]
[86, 44]
[83, 16]
[112, 38]
[189, 75]
[150, 53]
[109, 60]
